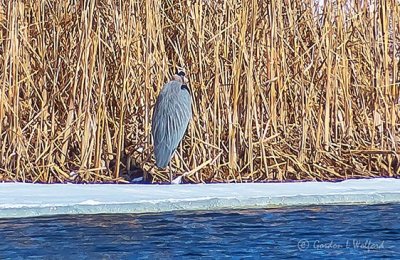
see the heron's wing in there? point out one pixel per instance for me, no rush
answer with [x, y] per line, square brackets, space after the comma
[171, 116]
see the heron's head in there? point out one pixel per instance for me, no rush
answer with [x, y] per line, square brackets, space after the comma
[180, 76]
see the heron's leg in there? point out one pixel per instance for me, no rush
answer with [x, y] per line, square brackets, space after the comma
[170, 172]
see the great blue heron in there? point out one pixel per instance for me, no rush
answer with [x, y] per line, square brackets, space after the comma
[171, 115]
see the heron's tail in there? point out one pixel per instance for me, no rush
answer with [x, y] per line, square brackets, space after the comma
[163, 156]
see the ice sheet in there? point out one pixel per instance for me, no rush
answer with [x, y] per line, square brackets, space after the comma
[26, 200]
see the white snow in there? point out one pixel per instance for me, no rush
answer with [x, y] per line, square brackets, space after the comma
[25, 200]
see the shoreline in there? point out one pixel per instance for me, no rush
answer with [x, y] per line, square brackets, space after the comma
[33, 200]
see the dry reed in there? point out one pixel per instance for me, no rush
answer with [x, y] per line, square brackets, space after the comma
[282, 90]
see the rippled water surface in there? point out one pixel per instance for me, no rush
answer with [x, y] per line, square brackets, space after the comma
[329, 231]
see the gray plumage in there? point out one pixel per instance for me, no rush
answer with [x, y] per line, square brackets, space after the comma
[171, 116]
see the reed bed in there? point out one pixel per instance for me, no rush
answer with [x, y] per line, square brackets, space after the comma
[282, 90]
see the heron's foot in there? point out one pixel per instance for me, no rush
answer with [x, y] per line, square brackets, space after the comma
[177, 180]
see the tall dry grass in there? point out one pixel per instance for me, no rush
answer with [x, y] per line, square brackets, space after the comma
[282, 90]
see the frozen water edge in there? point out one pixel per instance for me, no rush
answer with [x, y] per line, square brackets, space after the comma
[27, 200]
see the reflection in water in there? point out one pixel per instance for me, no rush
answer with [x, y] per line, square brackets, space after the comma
[344, 231]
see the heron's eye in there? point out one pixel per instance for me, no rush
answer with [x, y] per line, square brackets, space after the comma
[185, 87]
[181, 73]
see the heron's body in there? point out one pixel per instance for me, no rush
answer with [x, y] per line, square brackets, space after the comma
[171, 116]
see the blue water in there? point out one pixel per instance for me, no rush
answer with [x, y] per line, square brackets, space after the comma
[311, 232]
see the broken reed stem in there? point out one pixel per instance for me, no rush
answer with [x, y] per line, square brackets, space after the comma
[282, 90]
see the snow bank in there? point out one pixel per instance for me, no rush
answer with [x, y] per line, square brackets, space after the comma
[26, 200]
